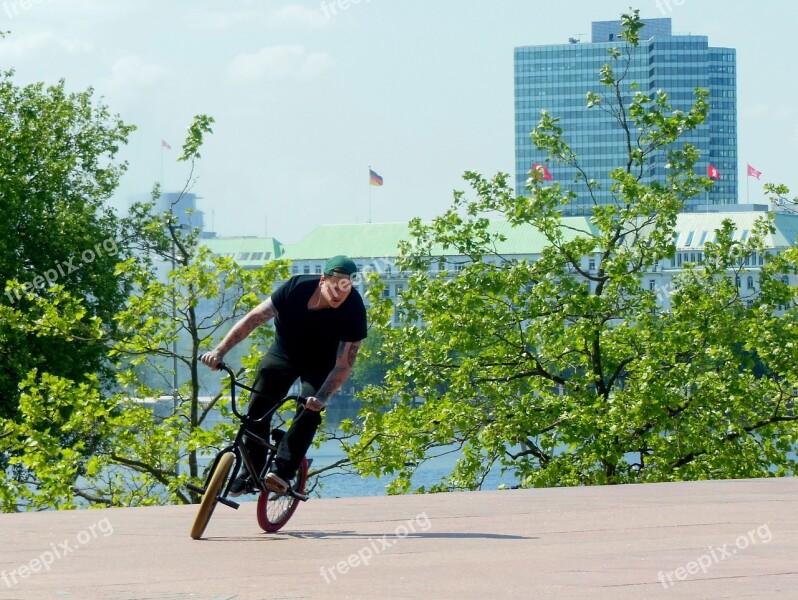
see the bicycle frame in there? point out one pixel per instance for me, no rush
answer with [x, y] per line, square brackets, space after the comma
[240, 451]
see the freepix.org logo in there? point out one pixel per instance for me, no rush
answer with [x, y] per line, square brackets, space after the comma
[375, 547]
[74, 263]
[332, 8]
[666, 6]
[13, 8]
[715, 555]
[56, 551]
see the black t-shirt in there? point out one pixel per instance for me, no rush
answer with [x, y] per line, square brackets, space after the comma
[313, 336]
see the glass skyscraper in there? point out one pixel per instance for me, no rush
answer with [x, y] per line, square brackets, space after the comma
[557, 78]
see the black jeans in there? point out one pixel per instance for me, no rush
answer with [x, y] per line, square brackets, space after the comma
[276, 374]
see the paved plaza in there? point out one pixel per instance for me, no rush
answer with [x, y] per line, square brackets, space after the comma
[719, 539]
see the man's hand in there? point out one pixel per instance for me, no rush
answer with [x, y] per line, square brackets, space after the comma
[314, 404]
[212, 359]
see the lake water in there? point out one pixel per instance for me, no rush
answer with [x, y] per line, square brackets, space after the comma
[429, 473]
[334, 484]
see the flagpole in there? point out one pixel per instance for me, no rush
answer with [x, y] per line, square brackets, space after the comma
[747, 188]
[369, 193]
[162, 186]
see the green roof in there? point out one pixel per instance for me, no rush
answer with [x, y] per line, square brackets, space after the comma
[363, 240]
[247, 251]
[372, 240]
[381, 240]
[786, 225]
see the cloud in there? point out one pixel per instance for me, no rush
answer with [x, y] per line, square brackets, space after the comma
[279, 63]
[29, 45]
[132, 71]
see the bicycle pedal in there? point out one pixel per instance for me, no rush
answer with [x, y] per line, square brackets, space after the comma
[230, 503]
[195, 488]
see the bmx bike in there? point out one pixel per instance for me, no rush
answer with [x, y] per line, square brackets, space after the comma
[273, 509]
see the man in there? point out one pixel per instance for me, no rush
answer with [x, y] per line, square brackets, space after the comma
[319, 325]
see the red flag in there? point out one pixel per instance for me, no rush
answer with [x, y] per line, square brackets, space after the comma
[543, 170]
[752, 172]
[713, 173]
[164, 144]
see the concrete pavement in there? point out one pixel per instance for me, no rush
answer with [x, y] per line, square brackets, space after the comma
[720, 539]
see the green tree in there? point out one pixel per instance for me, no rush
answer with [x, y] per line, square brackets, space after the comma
[372, 364]
[76, 443]
[58, 168]
[570, 376]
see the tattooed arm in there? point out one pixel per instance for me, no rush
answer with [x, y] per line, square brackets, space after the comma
[345, 360]
[263, 313]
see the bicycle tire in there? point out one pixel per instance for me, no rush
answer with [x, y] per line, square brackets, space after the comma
[211, 496]
[274, 510]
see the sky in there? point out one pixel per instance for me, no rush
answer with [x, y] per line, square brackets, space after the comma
[308, 94]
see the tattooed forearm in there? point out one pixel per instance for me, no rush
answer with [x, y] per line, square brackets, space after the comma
[259, 315]
[334, 381]
[345, 360]
[351, 356]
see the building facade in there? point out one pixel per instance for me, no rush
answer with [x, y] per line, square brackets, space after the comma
[556, 78]
[374, 248]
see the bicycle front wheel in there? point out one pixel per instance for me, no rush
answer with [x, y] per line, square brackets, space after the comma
[211, 496]
[274, 510]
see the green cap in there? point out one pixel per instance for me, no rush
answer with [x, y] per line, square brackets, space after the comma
[339, 266]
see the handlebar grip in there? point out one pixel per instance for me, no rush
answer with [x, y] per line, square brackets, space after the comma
[219, 367]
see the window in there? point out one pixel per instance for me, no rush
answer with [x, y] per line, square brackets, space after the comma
[689, 239]
[318, 269]
[294, 270]
[749, 282]
[592, 264]
[652, 284]
[243, 256]
[306, 269]
[256, 256]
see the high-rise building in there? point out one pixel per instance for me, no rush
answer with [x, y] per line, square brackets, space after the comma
[557, 78]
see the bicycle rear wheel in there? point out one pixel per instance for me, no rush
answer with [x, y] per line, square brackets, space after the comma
[211, 496]
[274, 510]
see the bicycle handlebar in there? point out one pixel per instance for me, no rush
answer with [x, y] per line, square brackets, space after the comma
[222, 366]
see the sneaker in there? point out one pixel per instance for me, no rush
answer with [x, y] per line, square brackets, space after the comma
[241, 485]
[275, 483]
